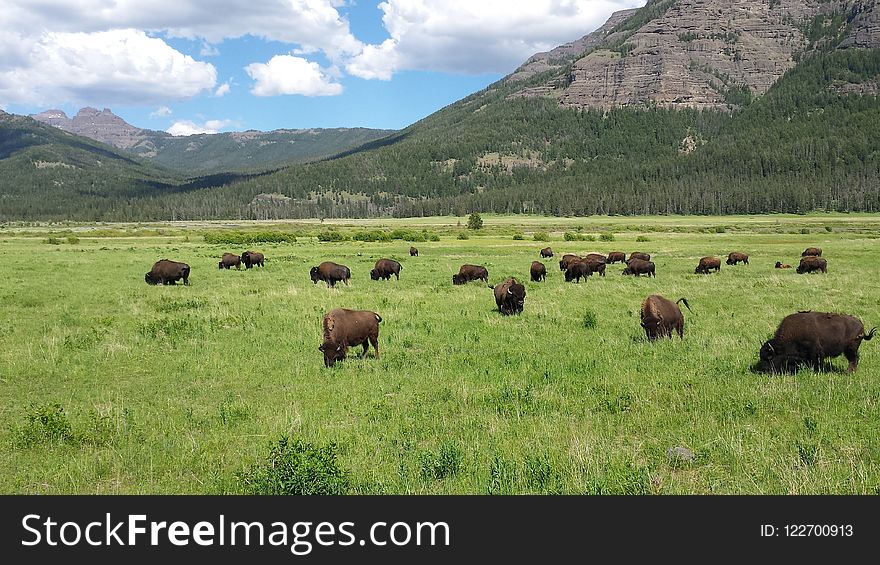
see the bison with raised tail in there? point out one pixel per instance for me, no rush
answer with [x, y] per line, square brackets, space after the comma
[812, 264]
[345, 328]
[639, 267]
[229, 260]
[810, 338]
[384, 268]
[331, 273]
[251, 258]
[660, 316]
[707, 263]
[510, 297]
[737, 257]
[538, 271]
[546, 252]
[468, 273]
[165, 271]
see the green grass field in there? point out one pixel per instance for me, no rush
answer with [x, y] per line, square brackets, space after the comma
[181, 389]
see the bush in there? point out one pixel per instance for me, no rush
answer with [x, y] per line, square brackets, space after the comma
[606, 237]
[333, 235]
[371, 235]
[247, 237]
[463, 235]
[569, 236]
[541, 236]
[642, 239]
[44, 423]
[518, 237]
[805, 230]
[475, 221]
[296, 467]
[434, 237]
[72, 239]
[52, 241]
[829, 228]
[719, 229]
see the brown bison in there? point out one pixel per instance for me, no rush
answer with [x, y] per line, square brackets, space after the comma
[660, 316]
[510, 297]
[384, 269]
[639, 267]
[546, 252]
[810, 338]
[566, 260]
[577, 270]
[596, 263]
[468, 273]
[228, 261]
[707, 263]
[616, 257]
[812, 251]
[165, 271]
[538, 271]
[638, 255]
[413, 252]
[345, 328]
[737, 257]
[251, 258]
[780, 265]
[331, 273]
[811, 264]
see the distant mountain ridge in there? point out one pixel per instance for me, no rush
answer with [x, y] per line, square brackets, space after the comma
[211, 153]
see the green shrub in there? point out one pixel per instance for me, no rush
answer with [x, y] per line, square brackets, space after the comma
[829, 229]
[463, 235]
[805, 230]
[333, 235]
[52, 241]
[606, 237]
[475, 221]
[248, 237]
[72, 239]
[518, 237]
[44, 423]
[296, 467]
[642, 239]
[434, 237]
[719, 229]
[541, 236]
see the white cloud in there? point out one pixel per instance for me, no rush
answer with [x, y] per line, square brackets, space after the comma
[120, 66]
[222, 90]
[464, 36]
[286, 74]
[208, 50]
[161, 112]
[187, 127]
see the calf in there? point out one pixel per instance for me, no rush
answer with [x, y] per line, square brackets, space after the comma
[707, 263]
[538, 271]
[510, 297]
[810, 338]
[660, 316]
[780, 265]
[345, 328]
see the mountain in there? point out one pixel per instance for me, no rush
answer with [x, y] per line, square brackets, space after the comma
[791, 124]
[211, 153]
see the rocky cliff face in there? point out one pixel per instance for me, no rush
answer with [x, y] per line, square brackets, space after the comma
[100, 125]
[707, 53]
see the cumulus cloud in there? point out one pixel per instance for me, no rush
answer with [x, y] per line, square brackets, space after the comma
[120, 66]
[187, 127]
[161, 112]
[222, 90]
[463, 36]
[287, 74]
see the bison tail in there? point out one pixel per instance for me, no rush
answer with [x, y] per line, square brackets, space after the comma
[870, 334]
[378, 318]
[684, 300]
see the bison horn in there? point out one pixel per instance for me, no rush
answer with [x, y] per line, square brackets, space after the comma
[509, 291]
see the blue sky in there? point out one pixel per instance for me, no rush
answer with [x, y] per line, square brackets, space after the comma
[189, 66]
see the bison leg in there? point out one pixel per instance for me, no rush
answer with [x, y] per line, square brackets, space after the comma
[366, 345]
[374, 340]
[679, 327]
[852, 355]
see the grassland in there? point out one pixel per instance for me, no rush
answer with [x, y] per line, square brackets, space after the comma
[178, 389]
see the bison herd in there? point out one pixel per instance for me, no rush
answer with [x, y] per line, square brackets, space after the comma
[804, 338]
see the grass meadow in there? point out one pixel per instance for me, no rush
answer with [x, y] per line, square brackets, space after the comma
[108, 385]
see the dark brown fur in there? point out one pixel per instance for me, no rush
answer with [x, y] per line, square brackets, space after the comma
[567, 260]
[707, 263]
[577, 270]
[616, 257]
[660, 316]
[639, 267]
[468, 273]
[538, 271]
[229, 260]
[345, 328]
[330, 273]
[639, 255]
[546, 252]
[413, 252]
[811, 264]
[384, 268]
[810, 338]
[251, 258]
[812, 251]
[780, 265]
[510, 296]
[596, 263]
[737, 257]
[165, 271]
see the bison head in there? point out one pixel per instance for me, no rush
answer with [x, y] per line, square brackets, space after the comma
[771, 357]
[801, 269]
[333, 352]
[516, 295]
[150, 279]
[313, 273]
[458, 279]
[653, 326]
[374, 274]
[220, 265]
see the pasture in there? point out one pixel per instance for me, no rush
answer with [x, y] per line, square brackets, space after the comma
[108, 385]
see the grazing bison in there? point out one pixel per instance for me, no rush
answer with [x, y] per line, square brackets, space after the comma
[577, 270]
[615, 257]
[510, 297]
[331, 273]
[538, 271]
[660, 316]
[228, 261]
[780, 265]
[812, 251]
[468, 273]
[413, 252]
[737, 257]
[345, 328]
[810, 338]
[639, 267]
[707, 263]
[567, 260]
[251, 258]
[811, 263]
[546, 252]
[384, 269]
[596, 263]
[638, 255]
[165, 271]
